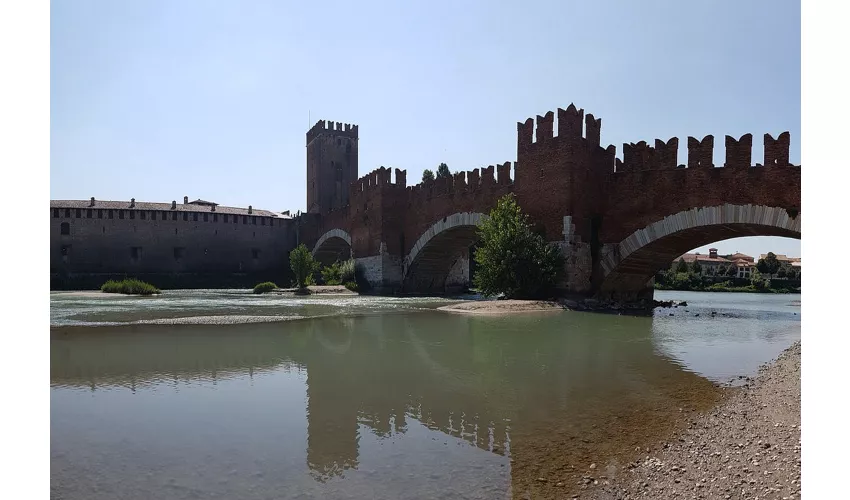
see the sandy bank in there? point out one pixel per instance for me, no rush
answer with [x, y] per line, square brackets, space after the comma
[747, 447]
[97, 294]
[319, 290]
[502, 307]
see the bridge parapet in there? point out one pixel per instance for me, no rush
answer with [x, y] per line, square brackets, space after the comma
[571, 130]
[462, 182]
[641, 156]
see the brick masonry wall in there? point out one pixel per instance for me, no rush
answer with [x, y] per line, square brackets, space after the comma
[104, 245]
[570, 174]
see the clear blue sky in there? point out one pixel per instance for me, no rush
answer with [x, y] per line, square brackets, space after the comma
[160, 99]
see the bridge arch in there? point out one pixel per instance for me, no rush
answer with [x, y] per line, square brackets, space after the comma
[438, 251]
[630, 265]
[332, 246]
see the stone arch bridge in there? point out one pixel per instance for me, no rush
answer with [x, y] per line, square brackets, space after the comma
[617, 220]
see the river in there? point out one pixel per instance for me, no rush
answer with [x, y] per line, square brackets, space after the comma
[224, 394]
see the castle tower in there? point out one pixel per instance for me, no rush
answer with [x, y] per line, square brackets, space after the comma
[331, 165]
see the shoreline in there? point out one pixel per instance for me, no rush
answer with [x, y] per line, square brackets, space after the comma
[500, 307]
[747, 446]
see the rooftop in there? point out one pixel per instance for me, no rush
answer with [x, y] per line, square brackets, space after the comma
[690, 257]
[195, 206]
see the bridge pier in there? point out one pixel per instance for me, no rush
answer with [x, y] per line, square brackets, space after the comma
[382, 271]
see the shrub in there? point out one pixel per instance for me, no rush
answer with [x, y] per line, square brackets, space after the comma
[129, 286]
[351, 286]
[303, 265]
[330, 274]
[513, 260]
[266, 286]
[346, 271]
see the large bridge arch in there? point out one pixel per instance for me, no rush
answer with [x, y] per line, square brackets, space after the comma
[437, 251]
[332, 246]
[627, 268]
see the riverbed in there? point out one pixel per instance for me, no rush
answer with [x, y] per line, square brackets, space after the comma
[225, 394]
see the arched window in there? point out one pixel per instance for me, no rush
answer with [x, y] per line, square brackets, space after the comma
[64, 228]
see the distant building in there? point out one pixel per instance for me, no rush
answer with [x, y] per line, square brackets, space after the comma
[710, 264]
[744, 264]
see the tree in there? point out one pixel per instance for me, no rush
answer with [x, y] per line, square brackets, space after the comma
[681, 266]
[782, 274]
[768, 265]
[443, 171]
[427, 175]
[513, 260]
[303, 265]
[696, 268]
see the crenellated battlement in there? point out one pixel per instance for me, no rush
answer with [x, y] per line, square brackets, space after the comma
[335, 129]
[573, 128]
[379, 177]
[465, 182]
[641, 156]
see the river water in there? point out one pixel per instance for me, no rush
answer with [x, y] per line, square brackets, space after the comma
[227, 395]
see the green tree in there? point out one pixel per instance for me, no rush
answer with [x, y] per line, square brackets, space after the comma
[781, 274]
[768, 265]
[427, 175]
[443, 171]
[696, 268]
[303, 265]
[681, 266]
[513, 260]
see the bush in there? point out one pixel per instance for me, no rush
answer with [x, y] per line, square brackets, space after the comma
[346, 271]
[330, 274]
[130, 286]
[266, 286]
[513, 260]
[351, 286]
[303, 265]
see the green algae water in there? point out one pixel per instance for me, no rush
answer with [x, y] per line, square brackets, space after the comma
[223, 394]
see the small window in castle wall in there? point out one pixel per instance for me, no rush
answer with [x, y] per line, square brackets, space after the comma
[195, 217]
[206, 217]
[99, 213]
[173, 215]
[132, 214]
[185, 216]
[65, 251]
[263, 221]
[215, 217]
[254, 221]
[255, 253]
[111, 215]
[244, 219]
[224, 217]
[88, 213]
[68, 212]
[142, 215]
[78, 213]
[65, 228]
[120, 214]
[135, 254]
[56, 212]
[153, 214]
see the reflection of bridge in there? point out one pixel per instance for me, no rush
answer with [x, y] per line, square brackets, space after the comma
[466, 377]
[616, 221]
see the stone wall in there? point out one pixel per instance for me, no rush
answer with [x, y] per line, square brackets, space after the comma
[135, 246]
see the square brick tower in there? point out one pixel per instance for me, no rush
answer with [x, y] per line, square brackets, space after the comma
[331, 165]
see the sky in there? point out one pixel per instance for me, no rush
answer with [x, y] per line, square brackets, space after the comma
[162, 99]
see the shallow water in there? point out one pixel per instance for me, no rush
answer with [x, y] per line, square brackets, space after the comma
[181, 396]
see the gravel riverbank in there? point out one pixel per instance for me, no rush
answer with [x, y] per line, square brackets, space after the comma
[747, 447]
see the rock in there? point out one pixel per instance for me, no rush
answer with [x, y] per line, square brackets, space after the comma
[542, 479]
[592, 466]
